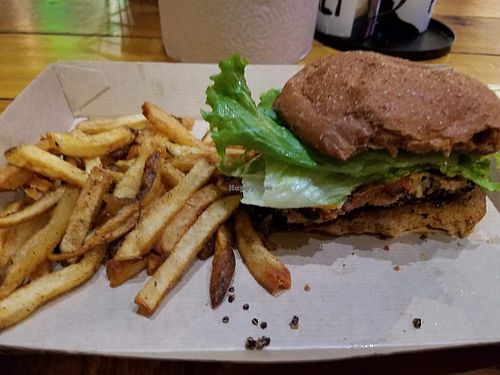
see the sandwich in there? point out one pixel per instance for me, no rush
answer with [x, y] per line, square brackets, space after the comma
[359, 143]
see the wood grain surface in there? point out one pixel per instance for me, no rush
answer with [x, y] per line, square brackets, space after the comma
[35, 33]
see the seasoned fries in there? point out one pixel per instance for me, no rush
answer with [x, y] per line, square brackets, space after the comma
[86, 209]
[223, 265]
[15, 237]
[134, 192]
[35, 159]
[38, 247]
[170, 126]
[37, 208]
[94, 126]
[28, 298]
[264, 266]
[141, 239]
[184, 253]
[119, 272]
[186, 217]
[124, 220]
[12, 177]
[90, 146]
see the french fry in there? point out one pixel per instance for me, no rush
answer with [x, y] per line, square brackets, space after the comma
[94, 126]
[186, 216]
[35, 159]
[37, 187]
[91, 163]
[267, 270]
[124, 165]
[120, 224]
[12, 207]
[154, 261]
[37, 208]
[43, 269]
[160, 141]
[207, 250]
[86, 209]
[38, 247]
[223, 265]
[185, 252]
[89, 146]
[151, 184]
[185, 163]
[119, 272]
[170, 176]
[15, 237]
[12, 177]
[130, 184]
[168, 125]
[141, 239]
[24, 301]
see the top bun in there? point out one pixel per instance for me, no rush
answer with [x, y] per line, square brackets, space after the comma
[353, 101]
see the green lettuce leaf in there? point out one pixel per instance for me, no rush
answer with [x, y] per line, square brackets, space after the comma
[288, 174]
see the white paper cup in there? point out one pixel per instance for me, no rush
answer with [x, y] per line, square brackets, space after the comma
[264, 31]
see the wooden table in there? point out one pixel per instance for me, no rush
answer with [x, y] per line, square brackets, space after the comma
[35, 33]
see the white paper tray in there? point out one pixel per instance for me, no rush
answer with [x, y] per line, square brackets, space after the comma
[358, 304]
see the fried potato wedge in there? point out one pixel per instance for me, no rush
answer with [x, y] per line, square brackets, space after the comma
[141, 239]
[170, 126]
[223, 265]
[186, 216]
[90, 146]
[24, 301]
[86, 209]
[38, 247]
[94, 126]
[267, 270]
[119, 272]
[12, 177]
[169, 273]
[35, 209]
[35, 159]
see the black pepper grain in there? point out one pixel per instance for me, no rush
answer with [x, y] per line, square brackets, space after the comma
[231, 289]
[246, 306]
[386, 247]
[294, 323]
[225, 319]
[255, 321]
[417, 323]
[263, 325]
[307, 288]
[231, 298]
[250, 344]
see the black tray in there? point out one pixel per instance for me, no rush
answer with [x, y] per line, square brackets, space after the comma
[434, 43]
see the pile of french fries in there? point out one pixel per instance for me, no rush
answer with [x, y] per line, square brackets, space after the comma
[135, 193]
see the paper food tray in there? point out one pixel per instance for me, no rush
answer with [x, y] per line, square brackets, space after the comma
[359, 303]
